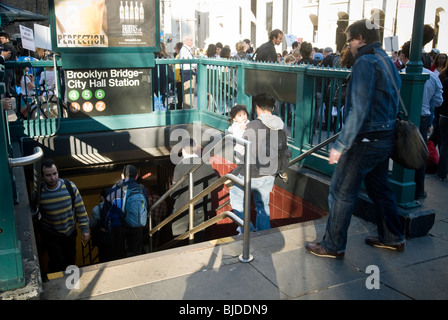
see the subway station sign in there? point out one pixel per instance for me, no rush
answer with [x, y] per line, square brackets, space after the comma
[105, 23]
[108, 92]
[107, 51]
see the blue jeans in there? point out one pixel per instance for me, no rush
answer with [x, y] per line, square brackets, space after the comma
[261, 189]
[368, 161]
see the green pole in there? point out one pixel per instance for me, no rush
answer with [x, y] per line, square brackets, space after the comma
[242, 97]
[402, 180]
[202, 79]
[415, 64]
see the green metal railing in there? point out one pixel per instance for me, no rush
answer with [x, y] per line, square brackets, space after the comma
[220, 84]
[313, 113]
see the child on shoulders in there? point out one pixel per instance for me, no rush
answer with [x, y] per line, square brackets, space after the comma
[239, 118]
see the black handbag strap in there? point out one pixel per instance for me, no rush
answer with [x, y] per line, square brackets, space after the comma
[406, 114]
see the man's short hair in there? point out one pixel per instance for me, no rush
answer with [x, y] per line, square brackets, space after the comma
[274, 34]
[328, 50]
[5, 34]
[366, 28]
[179, 45]
[47, 163]
[264, 101]
[406, 49]
[130, 171]
[305, 49]
[187, 37]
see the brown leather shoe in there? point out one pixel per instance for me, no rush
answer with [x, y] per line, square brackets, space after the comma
[375, 242]
[318, 250]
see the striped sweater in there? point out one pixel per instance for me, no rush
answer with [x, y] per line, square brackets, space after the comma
[57, 213]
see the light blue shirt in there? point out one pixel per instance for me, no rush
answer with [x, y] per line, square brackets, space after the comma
[432, 95]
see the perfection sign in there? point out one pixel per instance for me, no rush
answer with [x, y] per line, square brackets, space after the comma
[106, 92]
[105, 23]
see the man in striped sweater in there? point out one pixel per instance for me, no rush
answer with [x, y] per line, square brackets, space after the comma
[57, 218]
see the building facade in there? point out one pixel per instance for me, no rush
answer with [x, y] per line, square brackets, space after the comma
[321, 22]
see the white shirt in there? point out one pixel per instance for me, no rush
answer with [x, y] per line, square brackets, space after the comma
[186, 53]
[49, 78]
[236, 130]
[26, 91]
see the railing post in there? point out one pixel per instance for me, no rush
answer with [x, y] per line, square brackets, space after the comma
[191, 207]
[11, 271]
[202, 80]
[304, 111]
[246, 256]
[402, 180]
[242, 97]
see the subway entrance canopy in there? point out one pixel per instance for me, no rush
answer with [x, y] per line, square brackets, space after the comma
[10, 14]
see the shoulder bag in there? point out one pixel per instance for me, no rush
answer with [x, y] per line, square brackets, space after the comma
[410, 151]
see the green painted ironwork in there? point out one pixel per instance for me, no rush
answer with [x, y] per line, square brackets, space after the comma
[402, 180]
[11, 270]
[220, 84]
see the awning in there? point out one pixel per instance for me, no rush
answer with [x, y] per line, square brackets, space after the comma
[9, 15]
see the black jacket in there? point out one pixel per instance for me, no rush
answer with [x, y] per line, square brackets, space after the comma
[8, 46]
[267, 53]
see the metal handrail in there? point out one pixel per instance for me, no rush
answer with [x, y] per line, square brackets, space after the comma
[246, 256]
[195, 199]
[35, 159]
[24, 161]
[313, 150]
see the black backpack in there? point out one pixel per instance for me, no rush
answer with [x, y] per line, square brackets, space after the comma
[70, 190]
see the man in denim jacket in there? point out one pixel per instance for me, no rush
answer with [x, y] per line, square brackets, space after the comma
[363, 149]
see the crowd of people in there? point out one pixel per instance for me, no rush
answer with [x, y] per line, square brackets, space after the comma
[61, 212]
[23, 84]
[433, 122]
[300, 53]
[361, 153]
[182, 77]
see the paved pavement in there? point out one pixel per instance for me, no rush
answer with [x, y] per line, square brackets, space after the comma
[282, 269]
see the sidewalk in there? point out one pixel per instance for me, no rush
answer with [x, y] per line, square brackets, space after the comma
[282, 269]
